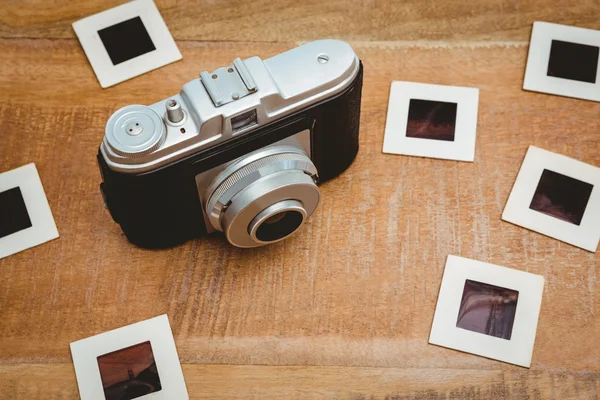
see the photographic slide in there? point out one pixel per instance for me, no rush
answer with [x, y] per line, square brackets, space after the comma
[564, 61]
[26, 220]
[557, 196]
[136, 361]
[432, 121]
[488, 310]
[126, 41]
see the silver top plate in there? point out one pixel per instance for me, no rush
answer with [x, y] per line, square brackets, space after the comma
[283, 84]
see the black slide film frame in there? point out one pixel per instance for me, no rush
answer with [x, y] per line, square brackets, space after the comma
[431, 119]
[14, 216]
[573, 61]
[561, 196]
[126, 40]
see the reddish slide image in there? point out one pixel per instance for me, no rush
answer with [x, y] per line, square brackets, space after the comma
[129, 373]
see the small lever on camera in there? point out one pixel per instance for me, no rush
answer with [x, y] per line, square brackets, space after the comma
[228, 84]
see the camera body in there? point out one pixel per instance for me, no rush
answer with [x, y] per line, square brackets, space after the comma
[240, 150]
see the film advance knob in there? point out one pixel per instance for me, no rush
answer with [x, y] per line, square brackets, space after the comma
[135, 131]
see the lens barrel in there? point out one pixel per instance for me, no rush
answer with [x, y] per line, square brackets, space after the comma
[277, 221]
[263, 197]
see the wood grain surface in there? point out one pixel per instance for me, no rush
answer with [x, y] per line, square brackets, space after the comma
[343, 309]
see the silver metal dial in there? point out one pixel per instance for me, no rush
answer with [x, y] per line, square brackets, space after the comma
[135, 131]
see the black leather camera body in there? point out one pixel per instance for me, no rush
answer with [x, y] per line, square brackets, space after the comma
[240, 150]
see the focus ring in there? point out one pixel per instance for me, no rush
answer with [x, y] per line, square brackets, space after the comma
[253, 167]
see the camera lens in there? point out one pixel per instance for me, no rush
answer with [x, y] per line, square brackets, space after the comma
[263, 197]
[283, 225]
[277, 221]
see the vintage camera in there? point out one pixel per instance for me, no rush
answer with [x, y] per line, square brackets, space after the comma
[240, 150]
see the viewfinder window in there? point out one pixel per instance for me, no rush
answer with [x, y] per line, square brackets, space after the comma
[243, 121]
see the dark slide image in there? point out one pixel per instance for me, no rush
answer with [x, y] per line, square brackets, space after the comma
[129, 373]
[574, 61]
[126, 40]
[13, 212]
[561, 197]
[434, 120]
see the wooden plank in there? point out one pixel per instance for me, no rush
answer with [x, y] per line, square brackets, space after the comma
[55, 382]
[289, 20]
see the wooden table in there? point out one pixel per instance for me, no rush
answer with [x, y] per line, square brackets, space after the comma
[344, 308]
